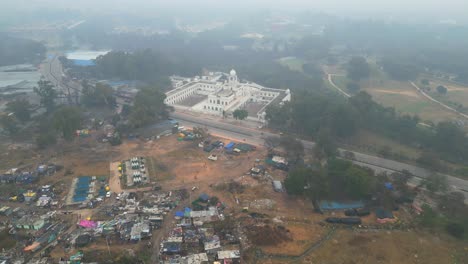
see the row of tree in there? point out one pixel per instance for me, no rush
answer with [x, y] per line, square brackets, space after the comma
[327, 118]
[340, 179]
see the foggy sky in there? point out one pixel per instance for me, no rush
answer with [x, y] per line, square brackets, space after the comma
[446, 8]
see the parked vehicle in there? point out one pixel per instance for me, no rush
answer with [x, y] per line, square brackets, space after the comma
[213, 157]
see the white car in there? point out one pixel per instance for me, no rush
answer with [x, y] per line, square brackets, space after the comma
[213, 157]
[108, 194]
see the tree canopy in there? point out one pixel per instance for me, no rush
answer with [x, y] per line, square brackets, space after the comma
[240, 114]
[98, 95]
[67, 119]
[148, 107]
[21, 108]
[47, 94]
[358, 68]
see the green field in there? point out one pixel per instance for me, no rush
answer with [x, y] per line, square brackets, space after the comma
[293, 63]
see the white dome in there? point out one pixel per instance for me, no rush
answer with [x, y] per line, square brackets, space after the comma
[233, 72]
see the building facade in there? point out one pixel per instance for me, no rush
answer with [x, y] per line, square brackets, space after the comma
[218, 93]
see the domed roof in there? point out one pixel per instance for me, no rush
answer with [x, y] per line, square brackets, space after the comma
[233, 72]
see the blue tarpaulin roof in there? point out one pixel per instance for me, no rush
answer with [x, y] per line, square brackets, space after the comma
[332, 205]
[389, 185]
[179, 214]
[204, 197]
[187, 212]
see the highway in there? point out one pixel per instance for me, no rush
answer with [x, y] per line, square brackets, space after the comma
[240, 132]
[52, 71]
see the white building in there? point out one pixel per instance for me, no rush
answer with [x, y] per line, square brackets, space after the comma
[221, 94]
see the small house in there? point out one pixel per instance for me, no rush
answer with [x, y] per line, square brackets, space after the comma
[31, 223]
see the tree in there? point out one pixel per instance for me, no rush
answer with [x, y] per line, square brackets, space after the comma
[294, 148]
[400, 179]
[99, 95]
[435, 183]
[21, 108]
[201, 132]
[296, 181]
[148, 107]
[46, 134]
[358, 182]
[278, 115]
[240, 114]
[400, 69]
[353, 87]
[441, 89]
[47, 94]
[358, 68]
[453, 204]
[455, 229]
[67, 120]
[9, 124]
[425, 82]
[272, 142]
[428, 217]
[429, 160]
[324, 145]
[317, 184]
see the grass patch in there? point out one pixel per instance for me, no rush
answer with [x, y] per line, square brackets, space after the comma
[293, 63]
[368, 141]
[158, 171]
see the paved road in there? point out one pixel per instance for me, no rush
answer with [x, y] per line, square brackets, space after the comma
[52, 71]
[256, 137]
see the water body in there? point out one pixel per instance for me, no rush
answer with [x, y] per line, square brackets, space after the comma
[18, 78]
[85, 57]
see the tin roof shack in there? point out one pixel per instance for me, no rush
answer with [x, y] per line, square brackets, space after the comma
[26, 178]
[280, 162]
[30, 222]
[30, 196]
[140, 231]
[191, 238]
[384, 216]
[171, 247]
[6, 211]
[257, 170]
[44, 201]
[200, 258]
[206, 216]
[212, 245]
[229, 256]
[277, 186]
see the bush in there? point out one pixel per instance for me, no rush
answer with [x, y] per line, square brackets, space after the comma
[455, 229]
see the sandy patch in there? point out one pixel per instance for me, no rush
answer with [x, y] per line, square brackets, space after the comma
[405, 93]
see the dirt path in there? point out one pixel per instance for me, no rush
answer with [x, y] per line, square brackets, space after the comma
[114, 180]
[167, 224]
[438, 102]
[330, 80]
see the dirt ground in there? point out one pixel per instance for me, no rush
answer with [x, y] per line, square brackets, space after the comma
[405, 93]
[183, 164]
[392, 247]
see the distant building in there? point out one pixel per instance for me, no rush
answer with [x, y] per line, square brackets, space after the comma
[219, 93]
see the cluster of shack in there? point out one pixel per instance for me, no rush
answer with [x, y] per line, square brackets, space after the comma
[200, 236]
